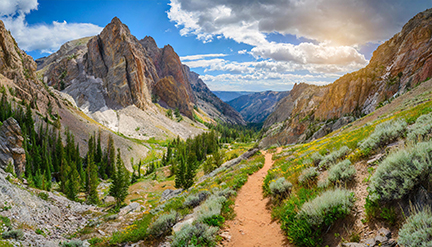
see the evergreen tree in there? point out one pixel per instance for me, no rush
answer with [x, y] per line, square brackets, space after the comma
[72, 185]
[180, 172]
[92, 181]
[110, 157]
[120, 182]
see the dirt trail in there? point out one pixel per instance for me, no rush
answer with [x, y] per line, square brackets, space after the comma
[253, 225]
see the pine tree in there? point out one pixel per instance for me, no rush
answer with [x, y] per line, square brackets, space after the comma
[110, 157]
[92, 181]
[120, 184]
[72, 185]
[180, 172]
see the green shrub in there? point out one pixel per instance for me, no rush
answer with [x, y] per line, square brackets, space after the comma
[308, 175]
[316, 158]
[227, 192]
[400, 172]
[73, 243]
[13, 234]
[417, 230]
[327, 207]
[334, 156]
[422, 129]
[215, 220]
[163, 225]
[195, 199]
[280, 188]
[341, 172]
[211, 207]
[195, 235]
[383, 134]
[43, 196]
[304, 222]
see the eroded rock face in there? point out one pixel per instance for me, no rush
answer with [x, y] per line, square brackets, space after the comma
[170, 68]
[13, 61]
[11, 146]
[400, 63]
[127, 71]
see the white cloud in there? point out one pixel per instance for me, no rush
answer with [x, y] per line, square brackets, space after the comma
[11, 7]
[42, 37]
[242, 52]
[308, 53]
[341, 22]
[201, 56]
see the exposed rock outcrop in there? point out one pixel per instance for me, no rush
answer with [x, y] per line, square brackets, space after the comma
[397, 65]
[127, 72]
[175, 90]
[256, 107]
[11, 146]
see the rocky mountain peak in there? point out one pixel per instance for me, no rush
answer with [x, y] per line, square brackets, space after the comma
[127, 72]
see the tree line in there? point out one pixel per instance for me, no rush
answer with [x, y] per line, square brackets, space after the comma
[48, 160]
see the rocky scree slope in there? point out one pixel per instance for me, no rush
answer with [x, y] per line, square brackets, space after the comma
[396, 66]
[256, 107]
[114, 70]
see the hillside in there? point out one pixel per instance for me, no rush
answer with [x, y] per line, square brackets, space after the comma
[396, 66]
[256, 107]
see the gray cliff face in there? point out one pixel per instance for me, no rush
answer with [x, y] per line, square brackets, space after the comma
[11, 146]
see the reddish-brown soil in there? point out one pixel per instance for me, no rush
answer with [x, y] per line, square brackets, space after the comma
[253, 225]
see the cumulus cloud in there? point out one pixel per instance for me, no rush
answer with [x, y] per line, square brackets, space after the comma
[42, 37]
[342, 22]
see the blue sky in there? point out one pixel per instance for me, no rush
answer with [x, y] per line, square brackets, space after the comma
[249, 45]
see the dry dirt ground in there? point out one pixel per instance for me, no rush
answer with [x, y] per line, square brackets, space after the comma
[253, 225]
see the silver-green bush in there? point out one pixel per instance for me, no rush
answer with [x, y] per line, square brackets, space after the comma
[13, 234]
[73, 243]
[341, 172]
[316, 158]
[195, 199]
[401, 171]
[203, 233]
[211, 207]
[163, 224]
[334, 156]
[421, 130]
[280, 187]
[332, 203]
[308, 175]
[417, 230]
[384, 134]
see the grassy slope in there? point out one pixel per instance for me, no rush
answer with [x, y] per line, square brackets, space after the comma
[294, 159]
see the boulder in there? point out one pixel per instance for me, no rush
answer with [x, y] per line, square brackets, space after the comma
[168, 194]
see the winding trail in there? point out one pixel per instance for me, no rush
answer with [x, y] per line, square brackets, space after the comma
[253, 225]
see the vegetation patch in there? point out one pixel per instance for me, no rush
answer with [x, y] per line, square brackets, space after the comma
[417, 230]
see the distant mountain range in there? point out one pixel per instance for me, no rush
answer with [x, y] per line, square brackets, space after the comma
[256, 107]
[226, 96]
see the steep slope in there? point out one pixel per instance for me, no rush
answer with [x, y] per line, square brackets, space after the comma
[256, 107]
[396, 66]
[210, 103]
